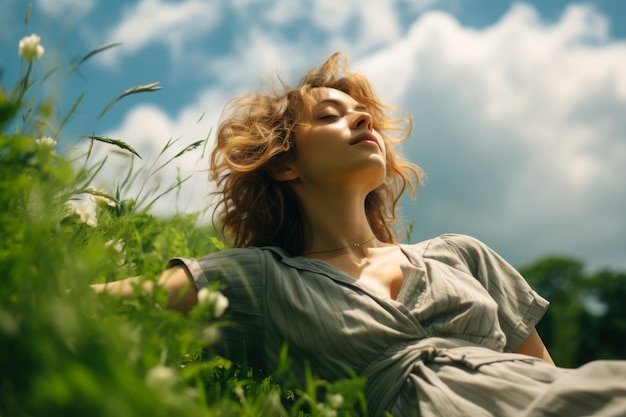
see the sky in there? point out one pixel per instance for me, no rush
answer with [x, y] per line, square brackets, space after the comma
[519, 108]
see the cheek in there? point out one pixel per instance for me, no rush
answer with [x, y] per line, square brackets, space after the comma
[312, 141]
[308, 150]
[386, 150]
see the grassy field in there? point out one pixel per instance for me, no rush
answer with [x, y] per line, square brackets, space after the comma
[66, 351]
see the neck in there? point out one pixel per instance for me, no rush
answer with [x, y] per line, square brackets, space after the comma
[336, 222]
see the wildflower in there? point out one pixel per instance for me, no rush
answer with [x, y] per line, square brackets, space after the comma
[84, 211]
[46, 142]
[334, 400]
[210, 335]
[117, 246]
[326, 411]
[30, 48]
[161, 377]
[214, 300]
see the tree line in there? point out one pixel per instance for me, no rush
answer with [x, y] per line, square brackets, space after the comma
[587, 316]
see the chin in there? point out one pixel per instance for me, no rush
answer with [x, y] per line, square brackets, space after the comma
[376, 176]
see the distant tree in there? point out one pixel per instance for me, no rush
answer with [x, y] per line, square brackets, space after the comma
[605, 329]
[559, 280]
[587, 315]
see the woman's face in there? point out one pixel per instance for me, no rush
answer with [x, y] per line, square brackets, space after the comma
[338, 143]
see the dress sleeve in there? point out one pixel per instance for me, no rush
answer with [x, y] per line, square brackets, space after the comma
[237, 274]
[519, 307]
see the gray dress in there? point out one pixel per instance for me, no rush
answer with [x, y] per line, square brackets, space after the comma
[442, 348]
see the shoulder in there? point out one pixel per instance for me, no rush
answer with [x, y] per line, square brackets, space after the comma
[241, 260]
[457, 250]
[230, 266]
[466, 247]
[460, 242]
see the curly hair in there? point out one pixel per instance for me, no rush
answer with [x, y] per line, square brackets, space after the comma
[256, 133]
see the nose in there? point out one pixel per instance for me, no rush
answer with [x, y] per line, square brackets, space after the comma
[362, 119]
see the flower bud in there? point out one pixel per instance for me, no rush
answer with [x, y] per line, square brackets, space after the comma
[46, 142]
[161, 377]
[214, 300]
[30, 48]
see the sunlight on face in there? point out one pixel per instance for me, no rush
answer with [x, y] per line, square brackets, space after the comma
[336, 144]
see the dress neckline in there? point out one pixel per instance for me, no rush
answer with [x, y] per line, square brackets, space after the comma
[337, 273]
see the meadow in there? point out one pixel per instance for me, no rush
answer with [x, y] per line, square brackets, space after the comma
[67, 351]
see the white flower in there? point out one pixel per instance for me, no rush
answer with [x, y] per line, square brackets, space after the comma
[84, 211]
[210, 335]
[30, 48]
[46, 142]
[326, 411]
[161, 377]
[334, 400]
[214, 300]
[117, 246]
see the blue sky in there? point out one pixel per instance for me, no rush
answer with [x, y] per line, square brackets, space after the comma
[519, 108]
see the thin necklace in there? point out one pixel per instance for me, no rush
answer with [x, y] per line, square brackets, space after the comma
[356, 245]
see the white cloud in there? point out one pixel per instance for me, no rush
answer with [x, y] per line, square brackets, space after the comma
[157, 21]
[280, 12]
[421, 5]
[379, 23]
[331, 15]
[520, 127]
[256, 56]
[268, 43]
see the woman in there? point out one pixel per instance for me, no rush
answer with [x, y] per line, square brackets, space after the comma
[308, 184]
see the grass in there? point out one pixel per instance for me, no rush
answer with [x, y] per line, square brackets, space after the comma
[67, 351]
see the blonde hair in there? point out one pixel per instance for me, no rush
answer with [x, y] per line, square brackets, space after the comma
[256, 133]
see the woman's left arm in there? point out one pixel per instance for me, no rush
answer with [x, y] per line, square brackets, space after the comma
[533, 346]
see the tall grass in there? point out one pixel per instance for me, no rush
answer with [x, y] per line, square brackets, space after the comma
[66, 351]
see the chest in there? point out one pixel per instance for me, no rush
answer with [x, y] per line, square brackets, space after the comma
[385, 280]
[380, 274]
[328, 316]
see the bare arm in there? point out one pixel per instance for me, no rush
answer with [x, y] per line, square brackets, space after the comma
[533, 346]
[182, 294]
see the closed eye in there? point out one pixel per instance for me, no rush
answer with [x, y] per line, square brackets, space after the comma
[328, 117]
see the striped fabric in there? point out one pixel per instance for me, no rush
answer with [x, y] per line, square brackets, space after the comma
[442, 348]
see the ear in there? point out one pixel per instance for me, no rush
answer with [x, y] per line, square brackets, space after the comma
[283, 173]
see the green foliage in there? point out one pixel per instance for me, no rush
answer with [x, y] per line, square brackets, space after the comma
[67, 351]
[587, 317]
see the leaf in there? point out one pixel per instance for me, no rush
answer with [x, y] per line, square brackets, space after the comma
[89, 55]
[134, 90]
[178, 183]
[189, 148]
[72, 110]
[27, 17]
[116, 142]
[97, 193]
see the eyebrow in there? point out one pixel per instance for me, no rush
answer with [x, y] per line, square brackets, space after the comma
[359, 106]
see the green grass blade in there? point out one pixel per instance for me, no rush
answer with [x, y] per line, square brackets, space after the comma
[96, 51]
[147, 88]
[116, 142]
[189, 148]
[70, 113]
[168, 190]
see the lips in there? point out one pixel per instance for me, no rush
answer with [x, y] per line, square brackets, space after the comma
[364, 137]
